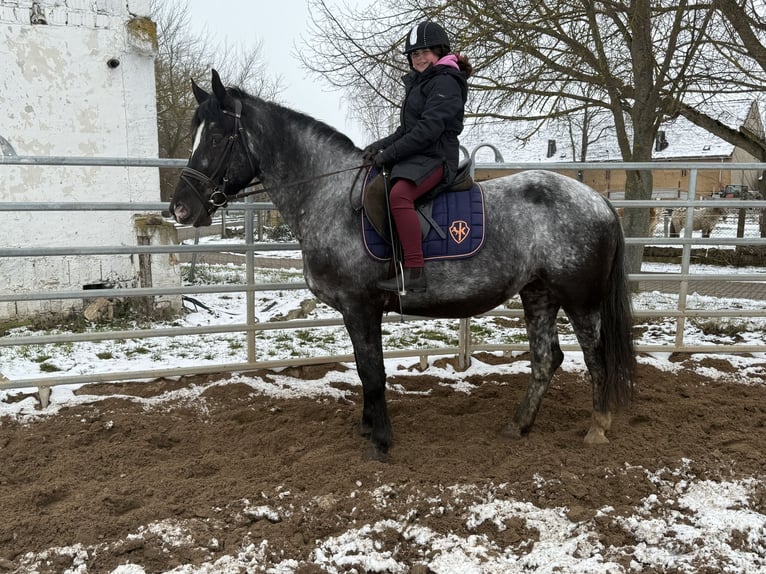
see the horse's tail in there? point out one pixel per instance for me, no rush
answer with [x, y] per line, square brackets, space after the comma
[617, 334]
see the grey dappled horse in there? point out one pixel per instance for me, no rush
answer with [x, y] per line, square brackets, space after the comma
[549, 238]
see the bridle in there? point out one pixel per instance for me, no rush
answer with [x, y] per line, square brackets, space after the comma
[218, 198]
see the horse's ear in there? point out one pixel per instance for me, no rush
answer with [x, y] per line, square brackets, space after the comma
[227, 102]
[199, 94]
[218, 88]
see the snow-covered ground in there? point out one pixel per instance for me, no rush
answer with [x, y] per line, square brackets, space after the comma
[687, 521]
[702, 515]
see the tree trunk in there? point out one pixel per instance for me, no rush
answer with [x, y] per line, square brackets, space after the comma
[643, 116]
[635, 222]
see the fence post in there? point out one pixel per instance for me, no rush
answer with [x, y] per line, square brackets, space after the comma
[686, 256]
[464, 344]
[250, 280]
[193, 265]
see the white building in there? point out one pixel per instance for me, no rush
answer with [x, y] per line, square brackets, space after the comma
[77, 80]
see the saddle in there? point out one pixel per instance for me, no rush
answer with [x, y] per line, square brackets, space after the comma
[375, 204]
[451, 218]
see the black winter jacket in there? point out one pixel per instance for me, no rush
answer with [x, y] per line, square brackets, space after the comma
[431, 120]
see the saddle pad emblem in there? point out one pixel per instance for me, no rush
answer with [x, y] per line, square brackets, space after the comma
[459, 231]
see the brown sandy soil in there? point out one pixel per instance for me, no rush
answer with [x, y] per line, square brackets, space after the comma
[98, 474]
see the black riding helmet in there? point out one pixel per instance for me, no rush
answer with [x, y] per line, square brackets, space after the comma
[426, 35]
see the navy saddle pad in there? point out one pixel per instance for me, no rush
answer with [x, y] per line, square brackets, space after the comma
[459, 216]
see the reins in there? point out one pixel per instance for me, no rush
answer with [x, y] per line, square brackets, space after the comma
[242, 194]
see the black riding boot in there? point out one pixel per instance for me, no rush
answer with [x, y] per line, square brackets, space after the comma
[414, 280]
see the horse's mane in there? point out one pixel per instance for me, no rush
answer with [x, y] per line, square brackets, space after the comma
[280, 112]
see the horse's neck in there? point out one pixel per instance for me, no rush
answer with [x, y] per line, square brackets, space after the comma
[294, 156]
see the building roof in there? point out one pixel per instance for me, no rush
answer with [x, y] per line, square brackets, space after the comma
[685, 140]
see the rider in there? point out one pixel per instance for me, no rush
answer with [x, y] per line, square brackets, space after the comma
[424, 150]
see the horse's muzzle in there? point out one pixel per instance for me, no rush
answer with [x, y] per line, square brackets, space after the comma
[185, 216]
[203, 220]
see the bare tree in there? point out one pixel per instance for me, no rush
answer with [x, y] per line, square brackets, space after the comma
[538, 60]
[748, 20]
[620, 58]
[184, 54]
[742, 43]
[353, 49]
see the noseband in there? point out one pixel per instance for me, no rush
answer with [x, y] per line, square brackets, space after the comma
[191, 177]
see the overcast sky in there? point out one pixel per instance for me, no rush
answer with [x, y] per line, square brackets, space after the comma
[280, 25]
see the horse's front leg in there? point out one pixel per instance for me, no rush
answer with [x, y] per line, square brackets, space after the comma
[364, 328]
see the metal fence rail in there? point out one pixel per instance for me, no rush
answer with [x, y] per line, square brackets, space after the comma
[251, 286]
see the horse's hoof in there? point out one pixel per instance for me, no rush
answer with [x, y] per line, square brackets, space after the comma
[513, 431]
[600, 424]
[377, 454]
[596, 436]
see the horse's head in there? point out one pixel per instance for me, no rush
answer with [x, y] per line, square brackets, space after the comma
[220, 164]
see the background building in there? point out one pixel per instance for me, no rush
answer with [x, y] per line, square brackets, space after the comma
[678, 140]
[78, 80]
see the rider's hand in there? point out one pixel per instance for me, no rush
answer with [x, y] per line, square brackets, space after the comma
[368, 154]
[378, 161]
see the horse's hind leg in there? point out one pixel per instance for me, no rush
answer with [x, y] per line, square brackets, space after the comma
[364, 329]
[540, 316]
[586, 328]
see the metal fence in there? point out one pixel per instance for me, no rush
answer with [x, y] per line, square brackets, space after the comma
[250, 327]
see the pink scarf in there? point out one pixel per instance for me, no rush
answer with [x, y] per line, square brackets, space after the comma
[448, 60]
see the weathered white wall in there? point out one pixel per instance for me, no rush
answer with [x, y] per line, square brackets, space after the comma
[59, 97]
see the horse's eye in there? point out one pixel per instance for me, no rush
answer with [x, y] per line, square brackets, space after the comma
[216, 139]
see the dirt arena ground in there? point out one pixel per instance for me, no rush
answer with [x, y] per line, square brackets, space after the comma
[237, 468]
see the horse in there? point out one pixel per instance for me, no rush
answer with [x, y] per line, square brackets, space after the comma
[704, 219]
[551, 239]
[654, 216]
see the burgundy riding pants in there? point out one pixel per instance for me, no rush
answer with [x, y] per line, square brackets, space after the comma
[402, 199]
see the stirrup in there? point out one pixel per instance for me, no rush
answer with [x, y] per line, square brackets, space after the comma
[412, 279]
